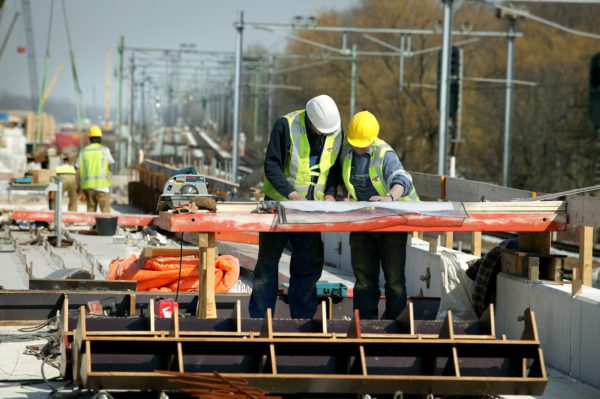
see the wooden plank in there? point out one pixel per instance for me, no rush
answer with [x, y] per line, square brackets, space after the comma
[151, 252]
[583, 211]
[49, 284]
[586, 246]
[207, 307]
[539, 242]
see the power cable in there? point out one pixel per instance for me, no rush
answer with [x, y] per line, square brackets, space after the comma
[180, 265]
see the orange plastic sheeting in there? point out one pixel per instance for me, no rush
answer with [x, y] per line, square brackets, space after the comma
[161, 273]
[231, 272]
[170, 262]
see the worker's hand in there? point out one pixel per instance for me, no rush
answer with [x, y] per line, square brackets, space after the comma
[294, 196]
[379, 198]
[329, 197]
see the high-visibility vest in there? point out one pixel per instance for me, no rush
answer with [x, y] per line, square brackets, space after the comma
[380, 148]
[93, 167]
[65, 170]
[297, 169]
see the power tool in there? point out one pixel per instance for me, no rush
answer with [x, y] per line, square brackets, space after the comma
[182, 190]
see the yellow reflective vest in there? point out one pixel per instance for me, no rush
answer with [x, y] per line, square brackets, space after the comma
[65, 170]
[380, 148]
[297, 169]
[94, 169]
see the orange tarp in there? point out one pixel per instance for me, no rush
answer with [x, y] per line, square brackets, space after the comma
[162, 272]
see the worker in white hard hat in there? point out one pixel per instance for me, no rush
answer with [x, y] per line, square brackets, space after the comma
[371, 171]
[301, 163]
[94, 172]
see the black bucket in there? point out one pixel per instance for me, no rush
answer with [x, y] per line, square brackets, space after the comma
[106, 225]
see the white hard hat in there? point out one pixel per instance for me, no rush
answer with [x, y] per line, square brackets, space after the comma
[323, 114]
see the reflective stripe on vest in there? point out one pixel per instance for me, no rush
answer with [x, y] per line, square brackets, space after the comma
[297, 169]
[93, 167]
[380, 148]
[65, 170]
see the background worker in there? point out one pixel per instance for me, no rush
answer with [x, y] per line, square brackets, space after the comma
[94, 172]
[371, 171]
[69, 185]
[301, 163]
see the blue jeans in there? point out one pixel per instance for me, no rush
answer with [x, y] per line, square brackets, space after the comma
[306, 266]
[369, 252]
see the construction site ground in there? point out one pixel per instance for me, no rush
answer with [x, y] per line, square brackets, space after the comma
[22, 371]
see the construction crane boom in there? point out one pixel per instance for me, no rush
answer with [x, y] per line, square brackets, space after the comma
[33, 75]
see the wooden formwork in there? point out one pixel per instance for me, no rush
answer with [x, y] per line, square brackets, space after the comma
[311, 356]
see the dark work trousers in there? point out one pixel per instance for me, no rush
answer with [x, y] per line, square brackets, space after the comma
[369, 252]
[306, 266]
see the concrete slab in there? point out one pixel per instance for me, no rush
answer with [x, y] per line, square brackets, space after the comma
[561, 386]
[555, 326]
[512, 298]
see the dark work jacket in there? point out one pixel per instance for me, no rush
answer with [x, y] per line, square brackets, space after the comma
[278, 151]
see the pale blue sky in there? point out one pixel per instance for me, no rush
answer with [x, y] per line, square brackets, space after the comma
[145, 23]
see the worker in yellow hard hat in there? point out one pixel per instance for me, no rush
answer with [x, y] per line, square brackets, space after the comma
[94, 176]
[301, 162]
[371, 171]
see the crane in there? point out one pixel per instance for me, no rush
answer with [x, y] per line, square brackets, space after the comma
[33, 75]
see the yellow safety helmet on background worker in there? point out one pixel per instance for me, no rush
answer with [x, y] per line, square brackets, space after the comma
[95, 131]
[363, 129]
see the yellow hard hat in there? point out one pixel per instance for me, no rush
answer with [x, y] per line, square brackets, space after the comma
[363, 129]
[95, 131]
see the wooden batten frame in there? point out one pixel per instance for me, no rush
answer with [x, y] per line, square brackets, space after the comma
[407, 318]
[132, 304]
[447, 330]
[539, 242]
[488, 321]
[324, 317]
[530, 332]
[354, 330]
[236, 316]
[151, 315]
[267, 328]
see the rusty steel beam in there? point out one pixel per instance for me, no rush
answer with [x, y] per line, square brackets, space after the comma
[84, 218]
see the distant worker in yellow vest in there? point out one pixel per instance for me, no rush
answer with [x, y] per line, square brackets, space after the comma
[301, 163]
[371, 171]
[94, 172]
[69, 185]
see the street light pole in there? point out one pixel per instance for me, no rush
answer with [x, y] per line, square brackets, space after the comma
[239, 26]
[445, 85]
[510, 74]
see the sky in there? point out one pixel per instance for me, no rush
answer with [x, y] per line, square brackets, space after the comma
[94, 25]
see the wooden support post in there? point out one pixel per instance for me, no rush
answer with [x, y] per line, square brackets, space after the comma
[535, 242]
[207, 308]
[476, 243]
[449, 239]
[582, 275]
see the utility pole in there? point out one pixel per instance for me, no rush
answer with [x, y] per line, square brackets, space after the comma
[353, 81]
[510, 74]
[445, 85]
[130, 141]
[257, 91]
[119, 122]
[270, 93]
[239, 26]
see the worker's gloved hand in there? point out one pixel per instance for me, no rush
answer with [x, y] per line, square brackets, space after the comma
[294, 196]
[329, 198]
